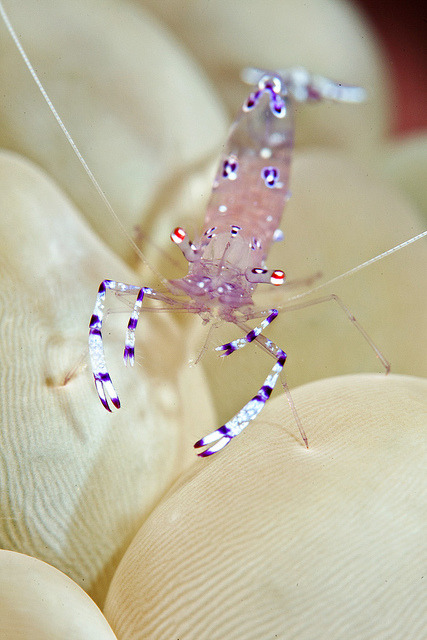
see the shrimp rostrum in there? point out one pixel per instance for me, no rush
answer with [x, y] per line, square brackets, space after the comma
[242, 221]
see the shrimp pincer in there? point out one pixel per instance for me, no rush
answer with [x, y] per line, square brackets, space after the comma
[242, 220]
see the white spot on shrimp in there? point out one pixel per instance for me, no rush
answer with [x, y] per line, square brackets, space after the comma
[278, 235]
[265, 153]
[222, 208]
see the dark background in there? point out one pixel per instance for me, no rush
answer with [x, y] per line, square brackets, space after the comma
[402, 28]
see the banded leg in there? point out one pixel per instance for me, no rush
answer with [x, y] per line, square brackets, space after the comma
[266, 344]
[103, 383]
[222, 436]
[230, 347]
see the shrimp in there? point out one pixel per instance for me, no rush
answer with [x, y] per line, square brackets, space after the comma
[242, 221]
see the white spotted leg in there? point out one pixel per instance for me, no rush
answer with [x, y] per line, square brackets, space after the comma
[103, 383]
[222, 436]
[230, 347]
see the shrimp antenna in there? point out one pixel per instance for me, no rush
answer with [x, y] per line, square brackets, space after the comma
[350, 272]
[73, 145]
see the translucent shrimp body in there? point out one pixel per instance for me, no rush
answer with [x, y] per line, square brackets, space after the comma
[250, 191]
[248, 196]
[242, 220]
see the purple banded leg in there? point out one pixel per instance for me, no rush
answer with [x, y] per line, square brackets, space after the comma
[230, 347]
[222, 436]
[103, 383]
[129, 352]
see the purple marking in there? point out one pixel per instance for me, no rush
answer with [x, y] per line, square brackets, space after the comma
[263, 394]
[252, 100]
[312, 93]
[251, 335]
[229, 169]
[94, 331]
[277, 106]
[129, 354]
[132, 323]
[270, 175]
[209, 232]
[282, 358]
[94, 320]
[228, 349]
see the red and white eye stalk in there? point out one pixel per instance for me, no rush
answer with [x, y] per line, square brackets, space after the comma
[277, 277]
[178, 235]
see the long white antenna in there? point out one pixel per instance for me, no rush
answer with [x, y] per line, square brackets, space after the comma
[73, 144]
[402, 245]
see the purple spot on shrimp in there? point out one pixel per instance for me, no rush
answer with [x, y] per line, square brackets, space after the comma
[116, 402]
[205, 454]
[94, 320]
[105, 404]
[224, 430]
[227, 349]
[229, 169]
[251, 101]
[282, 359]
[251, 335]
[129, 353]
[102, 287]
[312, 93]
[132, 323]
[264, 393]
[93, 331]
[278, 106]
[270, 175]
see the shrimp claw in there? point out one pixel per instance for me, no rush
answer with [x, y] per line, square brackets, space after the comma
[222, 436]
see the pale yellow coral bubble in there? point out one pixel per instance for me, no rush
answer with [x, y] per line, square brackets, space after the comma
[136, 104]
[39, 602]
[270, 540]
[404, 163]
[325, 36]
[76, 481]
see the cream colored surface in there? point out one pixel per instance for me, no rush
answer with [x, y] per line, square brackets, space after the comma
[270, 540]
[405, 164]
[39, 602]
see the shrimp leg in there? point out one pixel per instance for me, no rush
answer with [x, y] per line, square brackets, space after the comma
[230, 347]
[103, 382]
[222, 436]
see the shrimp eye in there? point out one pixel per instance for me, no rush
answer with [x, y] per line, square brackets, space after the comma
[178, 235]
[277, 277]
